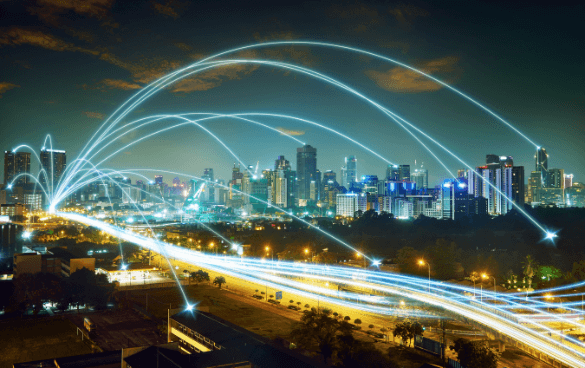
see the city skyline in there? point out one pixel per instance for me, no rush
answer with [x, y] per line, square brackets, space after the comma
[120, 71]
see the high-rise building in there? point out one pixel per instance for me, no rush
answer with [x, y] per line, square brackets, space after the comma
[306, 172]
[534, 184]
[350, 203]
[54, 162]
[404, 173]
[351, 170]
[462, 173]
[16, 163]
[208, 174]
[518, 192]
[555, 178]
[393, 173]
[343, 176]
[568, 181]
[455, 199]
[158, 179]
[281, 163]
[421, 178]
[541, 159]
[208, 192]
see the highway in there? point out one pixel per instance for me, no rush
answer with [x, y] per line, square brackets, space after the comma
[286, 276]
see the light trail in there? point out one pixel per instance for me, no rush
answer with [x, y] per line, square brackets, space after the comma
[467, 308]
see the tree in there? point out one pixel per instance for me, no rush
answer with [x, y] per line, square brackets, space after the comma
[579, 270]
[200, 276]
[219, 280]
[407, 260]
[371, 326]
[407, 330]
[528, 267]
[474, 354]
[299, 304]
[321, 330]
[355, 353]
[358, 322]
[347, 318]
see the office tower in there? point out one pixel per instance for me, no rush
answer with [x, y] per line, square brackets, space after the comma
[404, 171]
[421, 178]
[158, 179]
[351, 170]
[499, 193]
[454, 199]
[54, 162]
[541, 159]
[518, 192]
[329, 178]
[556, 178]
[281, 164]
[343, 176]
[393, 173]
[462, 173]
[370, 184]
[568, 181]
[208, 174]
[306, 172]
[16, 163]
[534, 184]
[350, 203]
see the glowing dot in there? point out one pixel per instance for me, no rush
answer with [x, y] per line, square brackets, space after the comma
[190, 307]
[551, 236]
[124, 266]
[26, 234]
[9, 186]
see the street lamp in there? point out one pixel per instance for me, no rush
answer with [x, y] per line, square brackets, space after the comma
[307, 253]
[422, 263]
[271, 253]
[485, 276]
[211, 245]
[358, 255]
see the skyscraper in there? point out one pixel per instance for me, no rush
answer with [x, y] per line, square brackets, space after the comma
[518, 191]
[541, 159]
[351, 170]
[393, 173]
[54, 162]
[16, 163]
[404, 172]
[281, 163]
[306, 171]
[421, 178]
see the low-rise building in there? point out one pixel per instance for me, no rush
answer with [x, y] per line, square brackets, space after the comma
[214, 342]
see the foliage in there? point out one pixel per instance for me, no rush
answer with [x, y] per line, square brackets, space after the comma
[356, 353]
[474, 354]
[578, 271]
[219, 280]
[548, 273]
[407, 260]
[200, 276]
[443, 257]
[320, 330]
[406, 330]
[358, 321]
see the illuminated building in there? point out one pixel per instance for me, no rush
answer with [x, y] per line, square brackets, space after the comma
[348, 204]
[54, 162]
[14, 209]
[518, 192]
[33, 201]
[541, 165]
[568, 181]
[404, 171]
[10, 244]
[462, 173]
[16, 163]
[393, 173]
[351, 170]
[534, 184]
[403, 208]
[306, 172]
[454, 199]
[555, 178]
[158, 179]
[421, 178]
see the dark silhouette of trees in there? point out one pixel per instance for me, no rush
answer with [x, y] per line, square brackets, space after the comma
[199, 276]
[354, 353]
[320, 330]
[474, 354]
[406, 330]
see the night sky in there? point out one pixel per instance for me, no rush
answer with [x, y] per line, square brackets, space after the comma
[67, 65]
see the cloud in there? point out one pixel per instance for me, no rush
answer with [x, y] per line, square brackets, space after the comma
[403, 80]
[183, 46]
[213, 78]
[119, 84]
[171, 8]
[5, 86]
[405, 14]
[50, 10]
[290, 132]
[94, 115]
[19, 36]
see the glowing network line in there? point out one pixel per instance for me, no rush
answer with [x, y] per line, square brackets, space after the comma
[475, 311]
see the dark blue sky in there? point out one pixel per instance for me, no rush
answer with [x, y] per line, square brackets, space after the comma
[65, 66]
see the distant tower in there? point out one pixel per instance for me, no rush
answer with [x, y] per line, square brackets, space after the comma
[541, 159]
[54, 162]
[351, 170]
[16, 163]
[306, 171]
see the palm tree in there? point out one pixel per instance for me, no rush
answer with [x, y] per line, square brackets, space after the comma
[529, 268]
